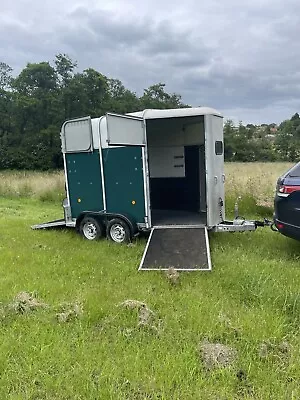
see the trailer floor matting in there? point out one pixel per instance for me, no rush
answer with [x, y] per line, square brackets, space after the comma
[184, 249]
[175, 217]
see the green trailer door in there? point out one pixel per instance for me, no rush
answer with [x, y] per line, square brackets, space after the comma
[82, 166]
[84, 182]
[126, 186]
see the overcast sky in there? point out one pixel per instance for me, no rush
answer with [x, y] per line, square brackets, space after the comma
[237, 56]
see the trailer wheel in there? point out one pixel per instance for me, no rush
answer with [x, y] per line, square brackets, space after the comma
[90, 228]
[118, 231]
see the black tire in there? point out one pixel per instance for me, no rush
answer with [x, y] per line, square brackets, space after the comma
[90, 228]
[118, 231]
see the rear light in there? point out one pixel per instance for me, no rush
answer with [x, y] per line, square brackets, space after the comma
[288, 189]
[279, 225]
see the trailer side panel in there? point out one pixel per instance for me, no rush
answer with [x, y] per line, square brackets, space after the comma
[215, 178]
[84, 182]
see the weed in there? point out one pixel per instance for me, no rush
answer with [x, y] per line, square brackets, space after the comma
[217, 355]
[146, 317]
[68, 312]
[271, 349]
[25, 302]
[132, 304]
[172, 276]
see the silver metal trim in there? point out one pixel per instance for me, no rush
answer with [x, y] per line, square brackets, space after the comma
[148, 220]
[179, 226]
[71, 224]
[124, 116]
[242, 227]
[206, 171]
[146, 186]
[141, 225]
[214, 185]
[51, 224]
[178, 269]
[207, 250]
[102, 166]
[67, 210]
[146, 249]
[66, 180]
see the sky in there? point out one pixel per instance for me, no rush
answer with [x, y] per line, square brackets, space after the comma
[239, 57]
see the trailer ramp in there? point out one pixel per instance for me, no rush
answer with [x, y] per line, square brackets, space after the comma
[181, 248]
[52, 224]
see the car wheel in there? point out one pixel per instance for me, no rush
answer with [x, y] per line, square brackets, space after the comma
[118, 231]
[90, 228]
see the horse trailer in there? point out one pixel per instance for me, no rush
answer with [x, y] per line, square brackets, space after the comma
[156, 171]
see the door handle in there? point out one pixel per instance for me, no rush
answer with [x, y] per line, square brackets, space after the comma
[216, 179]
[223, 178]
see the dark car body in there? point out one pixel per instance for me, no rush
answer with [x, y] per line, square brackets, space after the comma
[287, 203]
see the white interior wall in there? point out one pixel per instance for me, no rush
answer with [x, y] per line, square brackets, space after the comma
[166, 141]
[175, 133]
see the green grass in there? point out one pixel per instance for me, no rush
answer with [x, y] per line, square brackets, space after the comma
[251, 296]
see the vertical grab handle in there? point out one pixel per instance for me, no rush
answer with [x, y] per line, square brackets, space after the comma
[223, 178]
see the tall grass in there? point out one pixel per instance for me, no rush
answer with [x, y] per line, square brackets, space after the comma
[40, 185]
[258, 179]
[254, 182]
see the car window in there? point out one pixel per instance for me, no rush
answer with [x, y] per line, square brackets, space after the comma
[294, 171]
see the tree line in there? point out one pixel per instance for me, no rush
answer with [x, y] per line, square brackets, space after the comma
[266, 142]
[35, 103]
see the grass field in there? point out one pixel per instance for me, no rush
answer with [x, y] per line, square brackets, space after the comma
[83, 345]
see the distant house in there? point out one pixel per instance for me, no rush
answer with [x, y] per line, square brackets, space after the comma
[270, 137]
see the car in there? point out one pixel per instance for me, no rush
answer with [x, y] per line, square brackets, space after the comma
[287, 203]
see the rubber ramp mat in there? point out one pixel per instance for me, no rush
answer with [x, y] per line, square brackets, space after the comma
[184, 249]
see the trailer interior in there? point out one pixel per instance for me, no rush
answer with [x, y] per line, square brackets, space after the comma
[176, 154]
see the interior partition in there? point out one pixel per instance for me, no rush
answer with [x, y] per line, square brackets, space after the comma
[177, 170]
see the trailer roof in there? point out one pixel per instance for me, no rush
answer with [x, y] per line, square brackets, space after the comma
[175, 112]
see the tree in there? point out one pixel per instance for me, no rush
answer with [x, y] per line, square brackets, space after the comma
[120, 99]
[287, 140]
[95, 90]
[35, 79]
[5, 76]
[34, 105]
[64, 68]
[156, 97]
[229, 140]
[5, 99]
[35, 88]
[85, 94]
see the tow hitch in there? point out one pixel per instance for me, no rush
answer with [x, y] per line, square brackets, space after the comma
[240, 224]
